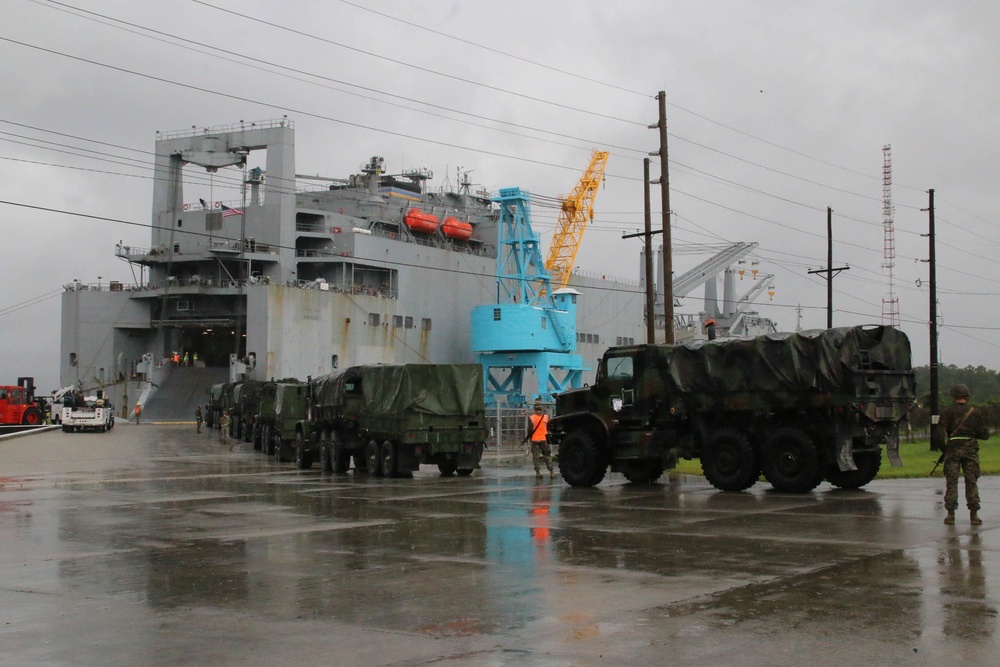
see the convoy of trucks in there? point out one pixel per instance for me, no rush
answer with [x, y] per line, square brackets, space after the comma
[798, 408]
[392, 419]
[795, 408]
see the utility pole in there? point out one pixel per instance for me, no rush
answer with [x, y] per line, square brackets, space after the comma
[932, 261]
[830, 271]
[648, 236]
[664, 181]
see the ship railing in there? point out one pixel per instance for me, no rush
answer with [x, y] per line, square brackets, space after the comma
[217, 205]
[130, 252]
[317, 227]
[315, 253]
[234, 127]
[357, 290]
[606, 277]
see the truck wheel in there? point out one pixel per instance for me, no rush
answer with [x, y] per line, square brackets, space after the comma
[388, 459]
[325, 462]
[729, 462]
[869, 463]
[447, 468]
[644, 472]
[267, 445]
[791, 461]
[67, 429]
[340, 460]
[580, 460]
[279, 449]
[373, 457]
[31, 417]
[464, 472]
[303, 459]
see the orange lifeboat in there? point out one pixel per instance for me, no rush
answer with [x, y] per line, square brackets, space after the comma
[419, 221]
[456, 229]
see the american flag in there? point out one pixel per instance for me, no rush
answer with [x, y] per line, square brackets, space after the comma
[226, 211]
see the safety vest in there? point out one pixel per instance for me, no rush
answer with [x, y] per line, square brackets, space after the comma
[539, 431]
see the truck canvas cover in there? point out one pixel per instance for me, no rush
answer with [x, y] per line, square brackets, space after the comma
[815, 361]
[431, 389]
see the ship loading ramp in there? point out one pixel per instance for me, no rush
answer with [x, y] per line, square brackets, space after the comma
[176, 398]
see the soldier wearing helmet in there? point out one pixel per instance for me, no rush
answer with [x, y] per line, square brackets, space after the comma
[964, 426]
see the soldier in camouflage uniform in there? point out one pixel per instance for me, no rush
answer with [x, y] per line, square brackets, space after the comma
[963, 426]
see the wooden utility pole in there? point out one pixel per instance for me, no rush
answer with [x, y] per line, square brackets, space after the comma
[648, 250]
[664, 181]
[932, 261]
[830, 270]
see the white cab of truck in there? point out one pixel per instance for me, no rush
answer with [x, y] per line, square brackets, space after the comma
[92, 414]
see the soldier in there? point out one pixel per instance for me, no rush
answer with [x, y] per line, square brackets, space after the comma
[224, 427]
[537, 432]
[963, 427]
[197, 417]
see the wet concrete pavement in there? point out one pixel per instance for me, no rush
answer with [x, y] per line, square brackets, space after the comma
[153, 545]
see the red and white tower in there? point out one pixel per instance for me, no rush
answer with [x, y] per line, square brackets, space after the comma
[890, 302]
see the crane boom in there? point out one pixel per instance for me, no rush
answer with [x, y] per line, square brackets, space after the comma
[576, 210]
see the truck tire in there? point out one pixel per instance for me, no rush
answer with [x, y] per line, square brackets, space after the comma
[266, 444]
[729, 462]
[580, 460]
[465, 472]
[303, 459]
[645, 471]
[869, 463]
[31, 417]
[389, 459]
[67, 429]
[447, 468]
[325, 462]
[340, 459]
[791, 461]
[373, 458]
[279, 449]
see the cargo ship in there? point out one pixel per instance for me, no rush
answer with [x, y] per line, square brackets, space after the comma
[295, 281]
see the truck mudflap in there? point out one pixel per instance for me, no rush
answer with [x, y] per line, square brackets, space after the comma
[892, 449]
[845, 447]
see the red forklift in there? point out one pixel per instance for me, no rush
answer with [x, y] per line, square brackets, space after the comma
[18, 405]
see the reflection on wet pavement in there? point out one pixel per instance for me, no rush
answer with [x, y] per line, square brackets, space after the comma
[156, 545]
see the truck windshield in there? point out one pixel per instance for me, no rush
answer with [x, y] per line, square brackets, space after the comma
[620, 368]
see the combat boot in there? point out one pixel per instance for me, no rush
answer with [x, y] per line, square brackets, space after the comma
[974, 518]
[950, 519]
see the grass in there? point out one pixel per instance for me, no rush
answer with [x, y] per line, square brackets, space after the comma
[918, 460]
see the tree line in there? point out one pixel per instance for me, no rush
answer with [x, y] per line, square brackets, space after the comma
[983, 384]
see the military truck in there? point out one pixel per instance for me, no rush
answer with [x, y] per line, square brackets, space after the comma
[799, 408]
[246, 405]
[392, 419]
[282, 407]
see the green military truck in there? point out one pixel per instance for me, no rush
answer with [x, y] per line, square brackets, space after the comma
[246, 405]
[392, 419]
[799, 408]
[282, 407]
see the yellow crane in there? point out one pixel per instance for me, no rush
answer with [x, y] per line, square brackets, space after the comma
[576, 211]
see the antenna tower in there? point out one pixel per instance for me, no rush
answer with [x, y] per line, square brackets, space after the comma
[890, 302]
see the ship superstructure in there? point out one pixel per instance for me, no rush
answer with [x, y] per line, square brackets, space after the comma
[371, 268]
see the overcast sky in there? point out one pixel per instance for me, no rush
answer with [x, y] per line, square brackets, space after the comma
[776, 110]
